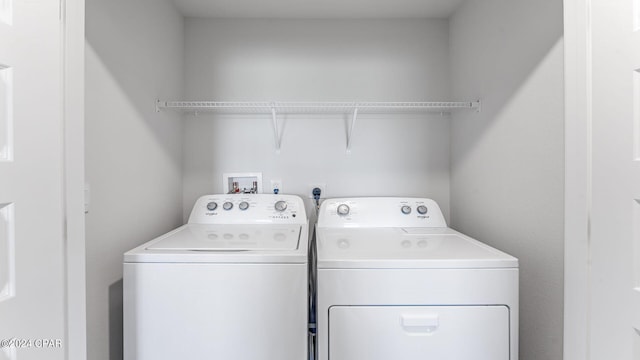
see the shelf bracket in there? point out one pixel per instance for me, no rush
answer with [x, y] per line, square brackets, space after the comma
[351, 126]
[276, 128]
[478, 105]
[160, 104]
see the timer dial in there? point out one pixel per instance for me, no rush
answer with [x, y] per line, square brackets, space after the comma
[343, 209]
[281, 205]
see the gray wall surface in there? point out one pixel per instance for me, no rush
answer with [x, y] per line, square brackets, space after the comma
[497, 175]
[319, 60]
[133, 154]
[507, 168]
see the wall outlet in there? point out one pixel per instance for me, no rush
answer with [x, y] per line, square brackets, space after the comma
[321, 186]
[276, 186]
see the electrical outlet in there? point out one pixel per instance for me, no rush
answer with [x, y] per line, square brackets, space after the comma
[321, 186]
[276, 186]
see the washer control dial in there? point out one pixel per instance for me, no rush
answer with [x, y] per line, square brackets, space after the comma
[281, 206]
[422, 209]
[343, 209]
[228, 205]
[243, 205]
[406, 209]
[212, 205]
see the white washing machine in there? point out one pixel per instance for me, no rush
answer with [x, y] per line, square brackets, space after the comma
[230, 284]
[394, 282]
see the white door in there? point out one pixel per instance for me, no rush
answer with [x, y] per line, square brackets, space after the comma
[614, 329]
[32, 267]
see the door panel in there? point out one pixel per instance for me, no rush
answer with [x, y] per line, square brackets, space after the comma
[6, 113]
[635, 316]
[634, 46]
[7, 243]
[6, 11]
[615, 218]
[32, 285]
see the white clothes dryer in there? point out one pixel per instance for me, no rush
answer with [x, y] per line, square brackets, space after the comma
[394, 282]
[230, 284]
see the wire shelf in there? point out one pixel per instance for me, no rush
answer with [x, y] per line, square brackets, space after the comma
[273, 109]
[257, 107]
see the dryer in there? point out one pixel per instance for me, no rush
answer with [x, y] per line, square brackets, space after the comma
[230, 284]
[394, 282]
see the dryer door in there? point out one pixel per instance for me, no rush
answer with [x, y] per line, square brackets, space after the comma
[419, 332]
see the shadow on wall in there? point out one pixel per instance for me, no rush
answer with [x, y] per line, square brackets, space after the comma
[514, 66]
[507, 168]
[508, 179]
[137, 75]
[530, 104]
[134, 54]
[120, 108]
[115, 321]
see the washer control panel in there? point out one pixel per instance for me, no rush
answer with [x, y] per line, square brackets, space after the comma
[248, 209]
[380, 212]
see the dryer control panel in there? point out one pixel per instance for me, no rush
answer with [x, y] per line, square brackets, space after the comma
[248, 209]
[380, 212]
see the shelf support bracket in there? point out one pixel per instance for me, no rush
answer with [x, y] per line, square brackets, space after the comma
[276, 128]
[351, 126]
[160, 104]
[478, 105]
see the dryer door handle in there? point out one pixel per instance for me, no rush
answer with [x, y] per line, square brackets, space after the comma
[420, 323]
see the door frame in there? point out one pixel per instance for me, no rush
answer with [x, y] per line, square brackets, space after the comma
[72, 19]
[578, 175]
[577, 68]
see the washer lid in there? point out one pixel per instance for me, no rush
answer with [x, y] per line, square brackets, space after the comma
[199, 243]
[373, 248]
[197, 237]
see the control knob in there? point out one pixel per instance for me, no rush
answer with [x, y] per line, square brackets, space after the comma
[422, 209]
[281, 205]
[343, 209]
[212, 205]
[227, 205]
[406, 209]
[243, 205]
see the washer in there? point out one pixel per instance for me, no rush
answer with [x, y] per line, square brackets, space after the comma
[394, 282]
[230, 284]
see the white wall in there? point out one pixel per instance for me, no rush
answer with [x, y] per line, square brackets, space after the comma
[503, 167]
[319, 60]
[508, 161]
[133, 154]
